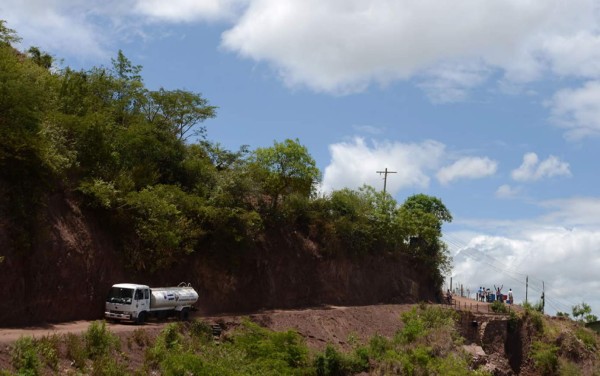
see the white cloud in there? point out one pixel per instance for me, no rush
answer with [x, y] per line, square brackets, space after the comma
[453, 82]
[532, 169]
[58, 25]
[506, 191]
[566, 261]
[344, 46]
[574, 212]
[188, 10]
[578, 110]
[467, 168]
[356, 163]
[560, 248]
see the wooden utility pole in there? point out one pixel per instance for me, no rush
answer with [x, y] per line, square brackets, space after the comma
[526, 287]
[385, 174]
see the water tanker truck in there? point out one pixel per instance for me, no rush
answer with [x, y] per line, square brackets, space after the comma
[132, 302]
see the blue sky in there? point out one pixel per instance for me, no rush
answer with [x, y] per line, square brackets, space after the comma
[492, 106]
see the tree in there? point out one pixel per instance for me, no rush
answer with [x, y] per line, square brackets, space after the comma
[42, 59]
[283, 169]
[421, 218]
[583, 313]
[7, 36]
[428, 204]
[128, 93]
[178, 110]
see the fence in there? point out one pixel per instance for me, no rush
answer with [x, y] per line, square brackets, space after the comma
[477, 307]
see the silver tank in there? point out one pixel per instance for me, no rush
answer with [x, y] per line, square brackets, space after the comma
[171, 297]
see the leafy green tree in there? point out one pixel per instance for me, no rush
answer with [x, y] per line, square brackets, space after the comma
[421, 218]
[42, 59]
[421, 203]
[25, 97]
[7, 36]
[178, 111]
[128, 90]
[284, 169]
[583, 313]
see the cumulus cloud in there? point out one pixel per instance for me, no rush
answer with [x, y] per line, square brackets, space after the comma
[453, 82]
[560, 248]
[574, 212]
[188, 10]
[566, 261]
[506, 191]
[340, 47]
[532, 169]
[344, 46]
[467, 168]
[59, 25]
[578, 110]
[356, 163]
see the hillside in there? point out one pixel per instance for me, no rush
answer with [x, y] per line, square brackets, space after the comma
[74, 262]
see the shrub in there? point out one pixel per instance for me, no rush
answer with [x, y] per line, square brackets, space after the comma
[261, 343]
[169, 339]
[25, 358]
[498, 307]
[201, 330]
[48, 348]
[107, 366]
[566, 368]
[545, 357]
[329, 363]
[76, 350]
[419, 322]
[99, 341]
[378, 346]
[587, 337]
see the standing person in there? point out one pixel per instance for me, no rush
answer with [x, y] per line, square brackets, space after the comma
[510, 296]
[480, 294]
[499, 293]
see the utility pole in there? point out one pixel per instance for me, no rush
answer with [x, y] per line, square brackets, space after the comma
[526, 287]
[385, 174]
[543, 296]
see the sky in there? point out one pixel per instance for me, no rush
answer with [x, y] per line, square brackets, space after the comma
[492, 106]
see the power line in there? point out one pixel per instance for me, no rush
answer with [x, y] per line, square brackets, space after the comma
[495, 264]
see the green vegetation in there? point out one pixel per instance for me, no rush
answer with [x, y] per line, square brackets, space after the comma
[498, 307]
[427, 344]
[545, 357]
[141, 160]
[583, 313]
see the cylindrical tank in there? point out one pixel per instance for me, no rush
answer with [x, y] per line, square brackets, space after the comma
[171, 297]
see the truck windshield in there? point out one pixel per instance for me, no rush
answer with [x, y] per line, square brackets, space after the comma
[120, 295]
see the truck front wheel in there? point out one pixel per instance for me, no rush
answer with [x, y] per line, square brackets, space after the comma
[141, 318]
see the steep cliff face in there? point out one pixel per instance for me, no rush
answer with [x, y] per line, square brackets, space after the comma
[74, 261]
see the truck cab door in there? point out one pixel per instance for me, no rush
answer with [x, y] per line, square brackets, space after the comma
[142, 300]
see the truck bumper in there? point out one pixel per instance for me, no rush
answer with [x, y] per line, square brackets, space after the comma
[117, 316]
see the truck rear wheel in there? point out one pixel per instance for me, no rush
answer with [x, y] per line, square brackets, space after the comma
[184, 315]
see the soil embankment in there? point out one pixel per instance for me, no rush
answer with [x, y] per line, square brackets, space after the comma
[74, 260]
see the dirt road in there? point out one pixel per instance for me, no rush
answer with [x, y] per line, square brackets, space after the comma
[322, 325]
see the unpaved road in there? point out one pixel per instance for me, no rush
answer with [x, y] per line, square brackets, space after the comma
[319, 326]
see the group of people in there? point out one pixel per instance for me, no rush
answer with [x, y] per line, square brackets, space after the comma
[488, 295]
